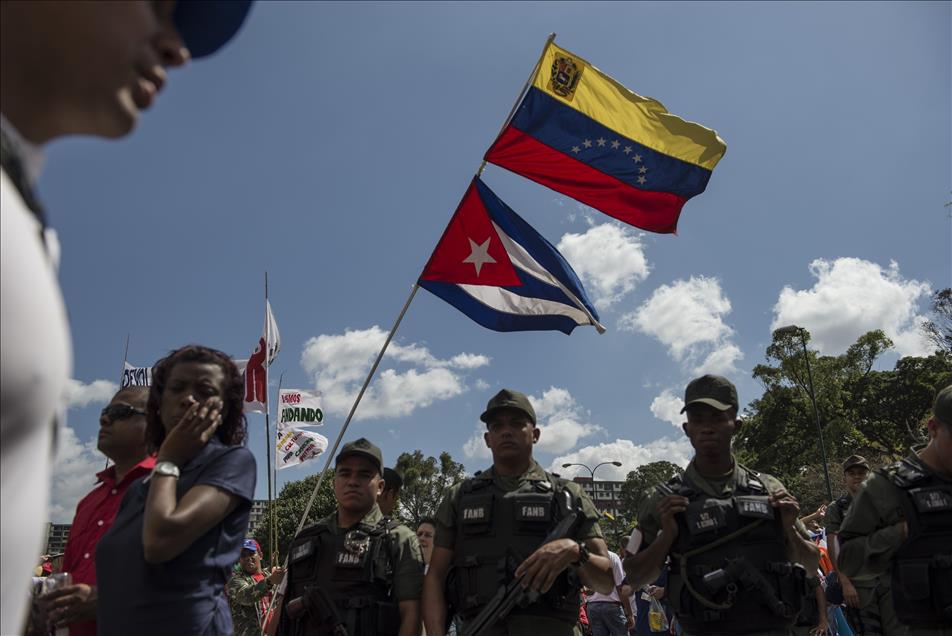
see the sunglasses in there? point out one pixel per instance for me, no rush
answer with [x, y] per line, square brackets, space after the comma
[115, 412]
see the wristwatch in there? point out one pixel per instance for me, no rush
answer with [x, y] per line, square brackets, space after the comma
[167, 469]
[583, 555]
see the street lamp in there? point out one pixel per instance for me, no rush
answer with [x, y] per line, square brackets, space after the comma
[800, 331]
[592, 472]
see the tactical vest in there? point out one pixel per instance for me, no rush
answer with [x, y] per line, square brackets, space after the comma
[729, 568]
[843, 505]
[922, 567]
[495, 532]
[343, 578]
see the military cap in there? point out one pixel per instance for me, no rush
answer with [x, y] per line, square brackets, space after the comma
[713, 390]
[509, 399]
[855, 460]
[942, 409]
[363, 448]
[392, 479]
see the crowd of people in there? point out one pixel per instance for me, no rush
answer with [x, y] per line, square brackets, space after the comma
[159, 546]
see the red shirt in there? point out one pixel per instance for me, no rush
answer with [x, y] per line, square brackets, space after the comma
[94, 516]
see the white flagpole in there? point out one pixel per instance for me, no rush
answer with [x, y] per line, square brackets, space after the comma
[274, 480]
[267, 402]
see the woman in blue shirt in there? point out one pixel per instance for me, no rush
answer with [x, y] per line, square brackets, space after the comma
[163, 565]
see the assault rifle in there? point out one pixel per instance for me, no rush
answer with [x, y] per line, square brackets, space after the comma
[513, 594]
[740, 574]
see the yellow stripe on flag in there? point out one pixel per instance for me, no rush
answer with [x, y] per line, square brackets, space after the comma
[641, 119]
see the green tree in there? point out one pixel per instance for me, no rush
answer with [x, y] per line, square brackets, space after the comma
[876, 413]
[939, 329]
[288, 508]
[638, 485]
[425, 481]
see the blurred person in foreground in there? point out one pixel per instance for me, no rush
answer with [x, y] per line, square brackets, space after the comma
[121, 439]
[900, 526]
[66, 68]
[162, 566]
[738, 562]
[249, 591]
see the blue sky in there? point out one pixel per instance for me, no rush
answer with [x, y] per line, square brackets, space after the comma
[330, 143]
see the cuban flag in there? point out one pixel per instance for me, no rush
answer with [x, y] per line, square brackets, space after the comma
[495, 268]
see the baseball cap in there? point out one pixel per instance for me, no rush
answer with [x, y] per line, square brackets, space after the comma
[713, 390]
[942, 408]
[855, 460]
[509, 399]
[207, 25]
[392, 479]
[251, 544]
[364, 448]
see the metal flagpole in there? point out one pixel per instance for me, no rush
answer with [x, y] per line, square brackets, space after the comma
[274, 480]
[522, 93]
[267, 402]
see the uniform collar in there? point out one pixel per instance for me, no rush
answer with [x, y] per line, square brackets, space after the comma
[372, 518]
[535, 472]
[29, 153]
[714, 486]
[921, 465]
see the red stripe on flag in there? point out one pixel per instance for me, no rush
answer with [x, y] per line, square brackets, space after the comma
[526, 156]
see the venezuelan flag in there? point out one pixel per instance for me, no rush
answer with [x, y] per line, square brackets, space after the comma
[583, 134]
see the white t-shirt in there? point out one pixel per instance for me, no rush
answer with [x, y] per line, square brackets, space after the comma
[618, 573]
[35, 364]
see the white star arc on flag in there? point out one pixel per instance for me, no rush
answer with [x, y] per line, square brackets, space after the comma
[479, 254]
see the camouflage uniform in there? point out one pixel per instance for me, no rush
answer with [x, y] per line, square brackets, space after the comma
[245, 598]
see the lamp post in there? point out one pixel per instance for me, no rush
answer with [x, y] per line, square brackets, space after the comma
[592, 473]
[801, 332]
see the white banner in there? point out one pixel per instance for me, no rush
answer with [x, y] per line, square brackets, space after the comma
[294, 446]
[136, 376]
[299, 408]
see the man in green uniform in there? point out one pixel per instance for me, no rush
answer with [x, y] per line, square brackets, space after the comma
[356, 569]
[491, 529]
[738, 562]
[900, 526]
[249, 591]
[871, 595]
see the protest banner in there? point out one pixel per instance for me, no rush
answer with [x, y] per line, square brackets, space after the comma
[299, 408]
[135, 376]
[295, 446]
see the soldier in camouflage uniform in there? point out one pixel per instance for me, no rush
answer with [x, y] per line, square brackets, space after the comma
[738, 555]
[900, 526]
[355, 571]
[249, 591]
[491, 529]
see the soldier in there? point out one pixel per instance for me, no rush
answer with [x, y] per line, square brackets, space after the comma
[738, 562]
[870, 596]
[392, 483]
[900, 526]
[491, 528]
[355, 571]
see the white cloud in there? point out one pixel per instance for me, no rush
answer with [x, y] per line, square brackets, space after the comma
[850, 297]
[80, 395]
[481, 385]
[74, 473]
[340, 362]
[631, 456]
[687, 317]
[610, 260]
[667, 408]
[561, 420]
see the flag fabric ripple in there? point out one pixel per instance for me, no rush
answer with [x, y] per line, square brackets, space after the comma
[583, 134]
[495, 268]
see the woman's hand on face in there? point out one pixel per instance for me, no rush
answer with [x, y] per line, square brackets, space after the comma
[189, 436]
